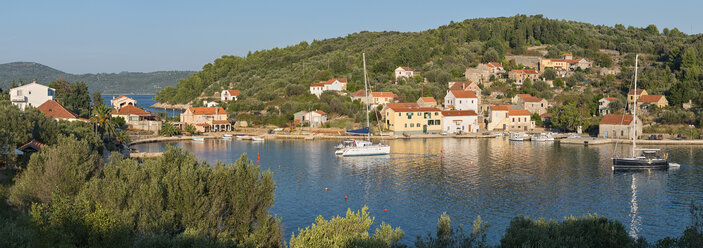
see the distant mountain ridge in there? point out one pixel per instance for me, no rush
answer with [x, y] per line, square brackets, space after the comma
[107, 83]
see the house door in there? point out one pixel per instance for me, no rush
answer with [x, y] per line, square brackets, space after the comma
[424, 128]
[469, 129]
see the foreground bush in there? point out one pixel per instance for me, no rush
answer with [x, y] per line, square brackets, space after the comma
[448, 236]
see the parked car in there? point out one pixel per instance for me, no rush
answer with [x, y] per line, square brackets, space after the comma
[655, 137]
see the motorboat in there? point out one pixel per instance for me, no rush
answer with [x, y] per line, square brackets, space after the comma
[519, 137]
[226, 136]
[541, 137]
[649, 158]
[198, 138]
[363, 148]
[257, 138]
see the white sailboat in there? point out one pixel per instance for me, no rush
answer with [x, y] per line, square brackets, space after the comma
[363, 147]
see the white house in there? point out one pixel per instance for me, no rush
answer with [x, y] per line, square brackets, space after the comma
[335, 84]
[314, 118]
[33, 95]
[460, 121]
[461, 100]
[229, 95]
[210, 104]
[404, 72]
[603, 105]
[122, 101]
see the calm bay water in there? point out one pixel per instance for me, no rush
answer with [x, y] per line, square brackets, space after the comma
[144, 101]
[493, 178]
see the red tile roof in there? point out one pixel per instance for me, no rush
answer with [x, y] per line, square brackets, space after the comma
[459, 113]
[610, 98]
[525, 71]
[463, 94]
[632, 92]
[331, 81]
[500, 108]
[233, 92]
[529, 98]
[131, 110]
[410, 107]
[320, 112]
[406, 68]
[518, 112]
[650, 98]
[612, 119]
[121, 97]
[36, 145]
[53, 109]
[207, 110]
[565, 54]
[220, 122]
[362, 93]
[427, 99]
[545, 115]
[493, 64]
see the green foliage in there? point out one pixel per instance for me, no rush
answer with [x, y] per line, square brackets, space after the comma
[349, 231]
[119, 122]
[587, 231]
[189, 128]
[568, 117]
[448, 236]
[168, 130]
[97, 98]
[63, 167]
[108, 83]
[549, 73]
[73, 96]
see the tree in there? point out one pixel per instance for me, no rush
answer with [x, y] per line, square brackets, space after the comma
[102, 117]
[490, 55]
[558, 83]
[348, 231]
[549, 73]
[448, 236]
[168, 129]
[587, 231]
[74, 96]
[568, 118]
[189, 129]
[97, 98]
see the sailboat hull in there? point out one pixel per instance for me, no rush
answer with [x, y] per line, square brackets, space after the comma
[640, 163]
[371, 150]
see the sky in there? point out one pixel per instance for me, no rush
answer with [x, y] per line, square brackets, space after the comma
[149, 35]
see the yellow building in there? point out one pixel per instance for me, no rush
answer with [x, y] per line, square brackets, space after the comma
[410, 118]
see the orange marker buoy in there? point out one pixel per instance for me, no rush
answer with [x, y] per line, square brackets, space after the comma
[298, 181]
[279, 166]
[327, 189]
[345, 197]
[301, 173]
[385, 210]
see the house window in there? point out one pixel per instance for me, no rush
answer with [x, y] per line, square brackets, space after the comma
[398, 114]
[418, 124]
[418, 113]
[412, 124]
[406, 125]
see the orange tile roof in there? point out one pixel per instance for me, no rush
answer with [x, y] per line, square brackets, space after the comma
[463, 94]
[207, 110]
[220, 122]
[121, 97]
[529, 98]
[427, 99]
[610, 98]
[546, 115]
[331, 81]
[402, 105]
[406, 68]
[53, 109]
[500, 108]
[516, 112]
[362, 93]
[565, 54]
[131, 110]
[611, 119]
[459, 113]
[410, 107]
[320, 112]
[632, 91]
[494, 64]
[525, 71]
[33, 144]
[233, 92]
[650, 98]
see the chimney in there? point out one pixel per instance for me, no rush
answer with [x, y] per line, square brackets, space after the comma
[217, 110]
[204, 102]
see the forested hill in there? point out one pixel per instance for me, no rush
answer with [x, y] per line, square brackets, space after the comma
[125, 82]
[282, 75]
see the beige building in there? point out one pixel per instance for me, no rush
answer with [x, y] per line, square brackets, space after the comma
[618, 127]
[483, 72]
[314, 118]
[459, 121]
[375, 98]
[427, 102]
[520, 75]
[206, 119]
[471, 86]
[565, 63]
[506, 119]
[530, 103]
[604, 105]
[137, 118]
[646, 102]
[404, 72]
[122, 101]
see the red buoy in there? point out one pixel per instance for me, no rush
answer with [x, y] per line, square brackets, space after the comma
[345, 197]
[385, 210]
[327, 189]
[298, 181]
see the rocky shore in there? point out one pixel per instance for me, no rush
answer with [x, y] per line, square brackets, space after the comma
[159, 105]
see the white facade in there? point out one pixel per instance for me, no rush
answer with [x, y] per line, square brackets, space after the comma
[314, 118]
[460, 123]
[122, 101]
[33, 95]
[404, 72]
[210, 104]
[333, 84]
[461, 100]
[229, 95]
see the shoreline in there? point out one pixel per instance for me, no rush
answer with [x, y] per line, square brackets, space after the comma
[159, 105]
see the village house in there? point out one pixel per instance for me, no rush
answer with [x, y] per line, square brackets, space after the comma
[56, 111]
[206, 119]
[604, 105]
[427, 102]
[618, 127]
[375, 98]
[530, 103]
[122, 101]
[483, 72]
[210, 104]
[229, 95]
[137, 118]
[505, 118]
[313, 118]
[565, 63]
[404, 72]
[646, 102]
[631, 96]
[546, 117]
[459, 121]
[521, 75]
[335, 84]
[31, 147]
[461, 100]
[32, 95]
[472, 86]
[410, 118]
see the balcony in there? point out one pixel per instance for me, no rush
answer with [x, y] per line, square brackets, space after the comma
[18, 98]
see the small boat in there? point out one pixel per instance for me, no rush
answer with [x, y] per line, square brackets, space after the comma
[519, 137]
[364, 148]
[257, 138]
[541, 137]
[243, 137]
[198, 138]
[226, 136]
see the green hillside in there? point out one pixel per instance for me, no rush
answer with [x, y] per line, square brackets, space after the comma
[278, 79]
[109, 83]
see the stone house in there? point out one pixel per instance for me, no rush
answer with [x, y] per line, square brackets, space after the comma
[604, 105]
[137, 118]
[313, 118]
[404, 72]
[646, 102]
[483, 72]
[530, 103]
[504, 118]
[520, 75]
[618, 126]
[375, 98]
[426, 101]
[472, 86]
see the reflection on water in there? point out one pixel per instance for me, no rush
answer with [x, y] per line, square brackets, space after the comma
[493, 178]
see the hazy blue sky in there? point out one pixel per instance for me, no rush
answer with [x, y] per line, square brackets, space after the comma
[114, 36]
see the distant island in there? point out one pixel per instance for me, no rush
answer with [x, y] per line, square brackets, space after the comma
[107, 83]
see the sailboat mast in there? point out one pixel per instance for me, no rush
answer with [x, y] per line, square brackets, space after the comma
[634, 112]
[366, 89]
